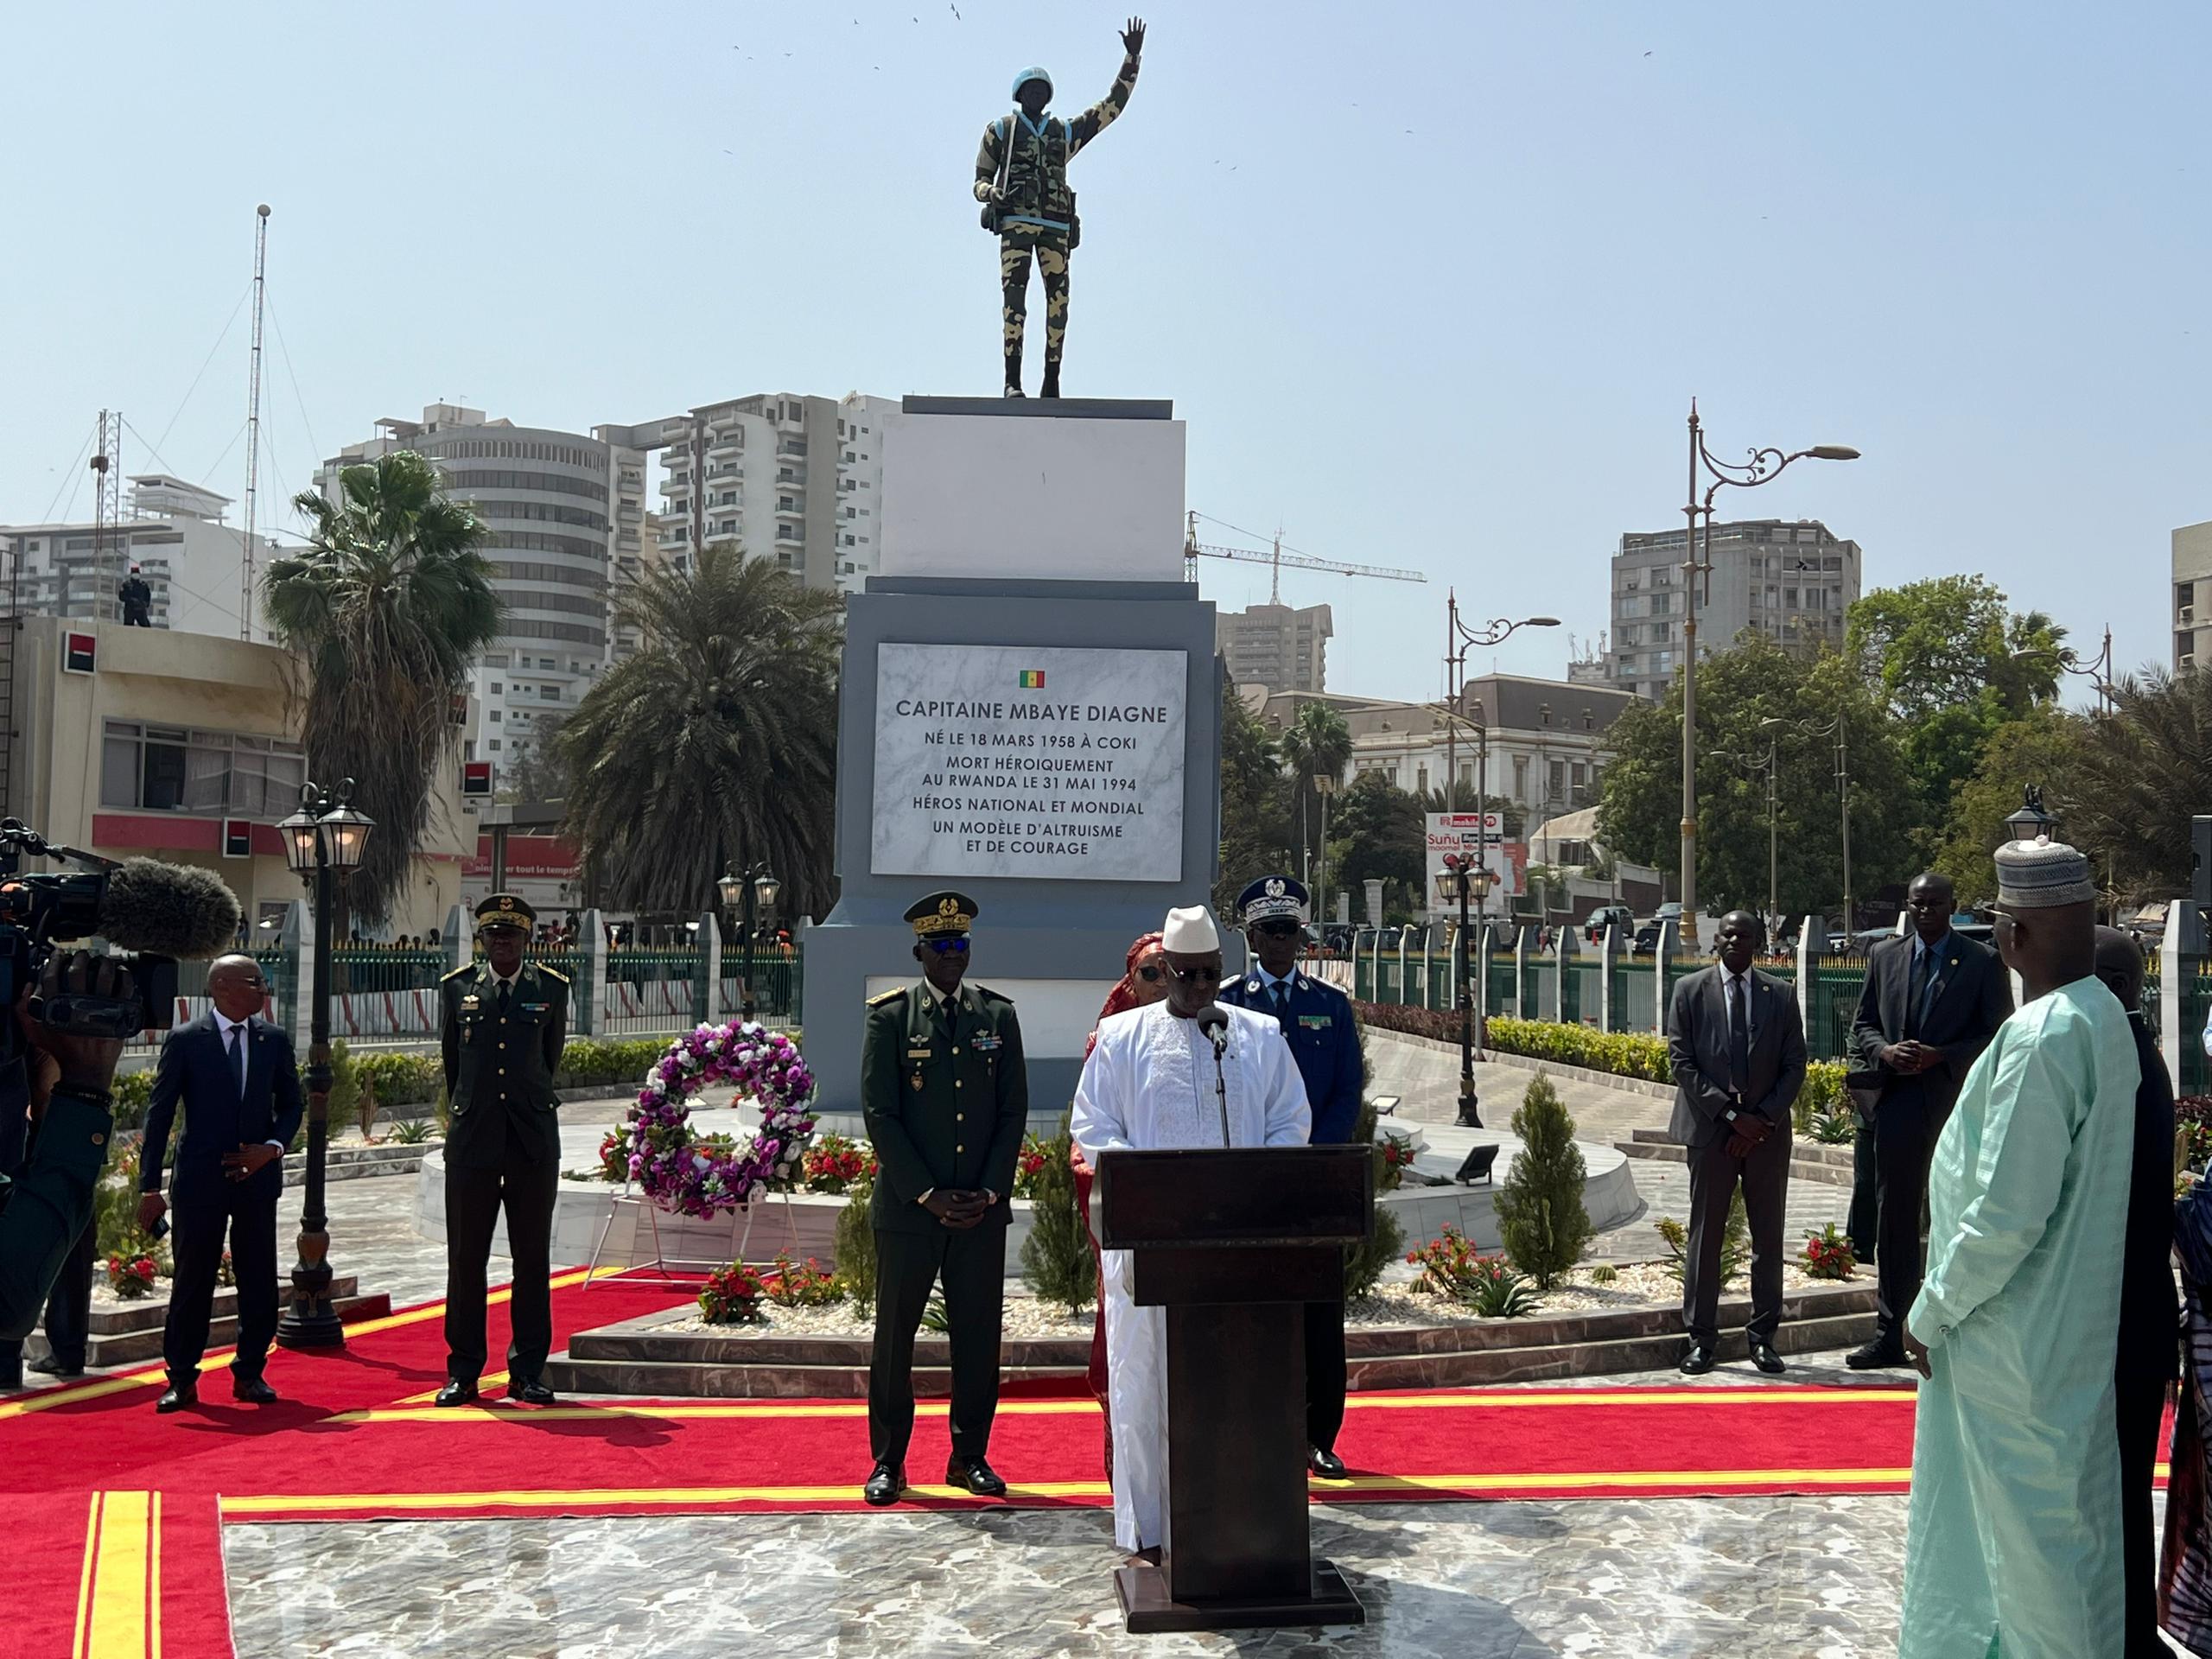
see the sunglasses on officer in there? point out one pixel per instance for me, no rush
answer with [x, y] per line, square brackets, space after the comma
[949, 947]
[1280, 928]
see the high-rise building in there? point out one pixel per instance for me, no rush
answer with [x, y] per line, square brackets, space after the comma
[172, 530]
[549, 498]
[1790, 582]
[2192, 555]
[794, 479]
[1276, 646]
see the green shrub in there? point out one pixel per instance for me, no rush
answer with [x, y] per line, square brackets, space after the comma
[116, 1231]
[1057, 1262]
[411, 1131]
[855, 1245]
[1540, 1214]
[134, 1092]
[1617, 1053]
[345, 1087]
[1604, 1273]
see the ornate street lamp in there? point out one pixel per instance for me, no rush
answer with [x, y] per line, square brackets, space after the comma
[323, 843]
[1760, 467]
[2031, 820]
[740, 892]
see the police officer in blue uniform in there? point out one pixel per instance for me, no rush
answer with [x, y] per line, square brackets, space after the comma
[1317, 1022]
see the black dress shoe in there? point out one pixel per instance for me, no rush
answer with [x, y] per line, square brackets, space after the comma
[177, 1396]
[1878, 1355]
[974, 1475]
[885, 1482]
[12, 1374]
[531, 1393]
[253, 1391]
[1697, 1361]
[1327, 1464]
[456, 1393]
[1766, 1359]
[50, 1366]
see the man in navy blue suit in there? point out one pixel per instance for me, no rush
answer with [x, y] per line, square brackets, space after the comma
[234, 1075]
[1317, 1022]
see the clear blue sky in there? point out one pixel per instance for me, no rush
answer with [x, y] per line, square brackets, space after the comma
[1432, 284]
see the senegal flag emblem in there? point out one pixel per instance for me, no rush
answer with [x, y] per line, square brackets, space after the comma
[1032, 679]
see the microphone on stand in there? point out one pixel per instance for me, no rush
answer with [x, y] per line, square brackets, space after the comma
[1213, 1020]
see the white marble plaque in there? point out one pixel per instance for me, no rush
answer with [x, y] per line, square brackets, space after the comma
[1059, 762]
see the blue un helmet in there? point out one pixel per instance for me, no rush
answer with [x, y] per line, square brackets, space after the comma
[1033, 73]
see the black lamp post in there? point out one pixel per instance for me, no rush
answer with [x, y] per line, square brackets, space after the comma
[322, 843]
[740, 892]
[1763, 465]
[1466, 878]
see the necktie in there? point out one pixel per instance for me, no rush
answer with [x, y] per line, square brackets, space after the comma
[503, 999]
[1280, 989]
[237, 1059]
[1918, 993]
[1739, 1035]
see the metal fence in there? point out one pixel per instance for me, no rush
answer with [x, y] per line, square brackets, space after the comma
[1418, 973]
[778, 979]
[192, 999]
[648, 992]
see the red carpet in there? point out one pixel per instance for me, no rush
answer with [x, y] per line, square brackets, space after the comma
[356, 1437]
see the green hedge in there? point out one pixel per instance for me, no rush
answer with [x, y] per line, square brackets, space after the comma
[1619, 1054]
[406, 1079]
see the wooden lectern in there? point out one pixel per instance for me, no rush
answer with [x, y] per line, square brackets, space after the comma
[1232, 1241]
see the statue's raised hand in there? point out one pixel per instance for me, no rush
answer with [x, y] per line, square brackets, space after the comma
[1133, 37]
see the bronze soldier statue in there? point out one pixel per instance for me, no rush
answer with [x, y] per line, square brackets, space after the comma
[1021, 179]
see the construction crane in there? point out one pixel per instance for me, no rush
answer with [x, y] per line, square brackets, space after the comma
[1194, 549]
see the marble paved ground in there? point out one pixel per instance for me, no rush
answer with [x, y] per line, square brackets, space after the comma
[1804, 1577]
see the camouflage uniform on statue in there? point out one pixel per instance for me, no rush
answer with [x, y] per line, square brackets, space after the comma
[1021, 179]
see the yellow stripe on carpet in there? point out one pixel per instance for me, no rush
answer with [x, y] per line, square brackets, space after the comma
[416, 1410]
[677, 1497]
[120, 1581]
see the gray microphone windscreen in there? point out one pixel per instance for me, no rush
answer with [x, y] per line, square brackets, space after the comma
[171, 910]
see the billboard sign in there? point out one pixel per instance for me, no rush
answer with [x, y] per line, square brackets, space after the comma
[1457, 833]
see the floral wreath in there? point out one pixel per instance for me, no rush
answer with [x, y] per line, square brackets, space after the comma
[699, 1180]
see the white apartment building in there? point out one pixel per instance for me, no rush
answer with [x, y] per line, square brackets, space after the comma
[1793, 583]
[557, 505]
[795, 479]
[172, 530]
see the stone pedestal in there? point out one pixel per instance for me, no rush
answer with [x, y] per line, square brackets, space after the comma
[1030, 713]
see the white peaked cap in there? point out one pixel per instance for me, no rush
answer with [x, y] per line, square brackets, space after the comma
[1189, 932]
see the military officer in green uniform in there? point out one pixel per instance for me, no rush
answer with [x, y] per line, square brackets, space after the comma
[946, 1096]
[502, 1024]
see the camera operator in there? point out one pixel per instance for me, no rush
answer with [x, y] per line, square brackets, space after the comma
[44, 1212]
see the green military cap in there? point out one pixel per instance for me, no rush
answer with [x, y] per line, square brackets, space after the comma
[941, 915]
[504, 908]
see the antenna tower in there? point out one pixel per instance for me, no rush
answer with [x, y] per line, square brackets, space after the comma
[253, 424]
[108, 539]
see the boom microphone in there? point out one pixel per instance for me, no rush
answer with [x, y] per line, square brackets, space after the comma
[1213, 1020]
[171, 910]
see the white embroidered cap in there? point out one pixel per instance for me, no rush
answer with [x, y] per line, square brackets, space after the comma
[1189, 933]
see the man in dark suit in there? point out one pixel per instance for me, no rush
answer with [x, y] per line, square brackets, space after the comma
[945, 1090]
[502, 1025]
[233, 1073]
[2149, 1311]
[1317, 1022]
[1932, 1002]
[1738, 1046]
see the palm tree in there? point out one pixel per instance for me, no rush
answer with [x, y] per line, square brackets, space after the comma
[1317, 744]
[715, 742]
[2137, 774]
[384, 608]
